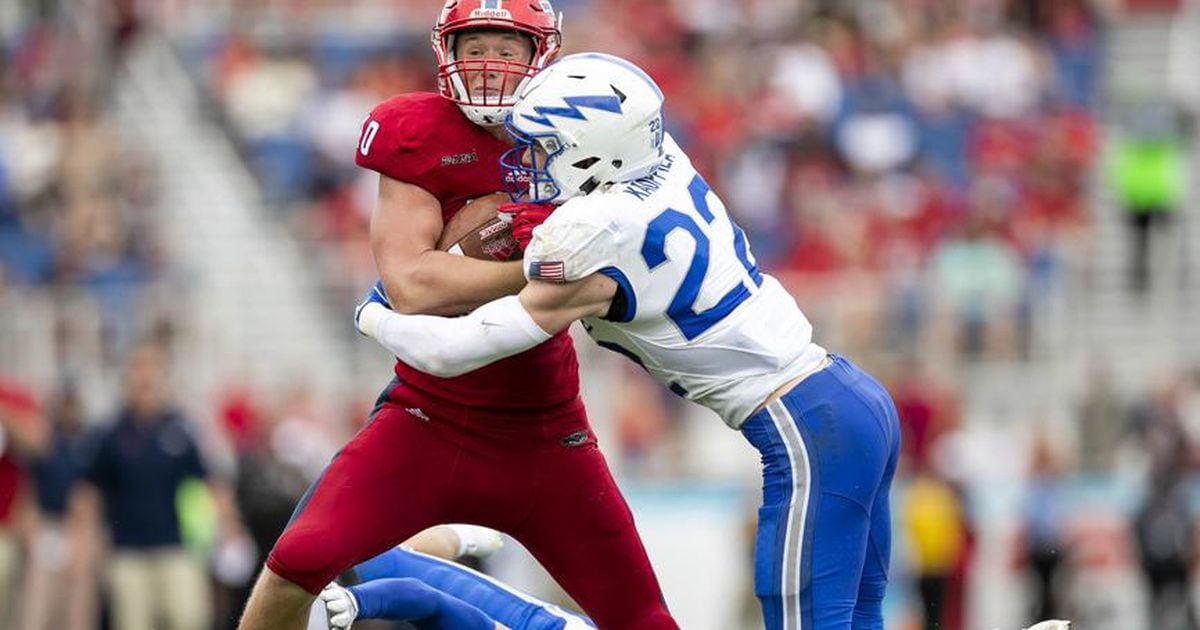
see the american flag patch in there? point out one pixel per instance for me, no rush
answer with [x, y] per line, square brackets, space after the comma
[550, 271]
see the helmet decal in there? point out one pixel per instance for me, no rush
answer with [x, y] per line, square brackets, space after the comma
[572, 110]
[586, 123]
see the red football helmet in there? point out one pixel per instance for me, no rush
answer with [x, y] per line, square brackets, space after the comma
[534, 18]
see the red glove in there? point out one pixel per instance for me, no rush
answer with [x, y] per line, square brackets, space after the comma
[524, 217]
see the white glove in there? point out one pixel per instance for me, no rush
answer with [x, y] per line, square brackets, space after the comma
[340, 607]
[373, 308]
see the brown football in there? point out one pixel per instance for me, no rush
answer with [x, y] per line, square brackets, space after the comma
[476, 231]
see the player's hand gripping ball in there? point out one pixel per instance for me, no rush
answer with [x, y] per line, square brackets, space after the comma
[524, 217]
[478, 231]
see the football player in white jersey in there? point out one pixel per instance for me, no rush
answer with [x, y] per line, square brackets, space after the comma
[647, 257]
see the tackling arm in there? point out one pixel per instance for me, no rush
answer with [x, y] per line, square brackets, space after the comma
[418, 277]
[447, 347]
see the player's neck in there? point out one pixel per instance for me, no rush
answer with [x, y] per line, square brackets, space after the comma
[500, 133]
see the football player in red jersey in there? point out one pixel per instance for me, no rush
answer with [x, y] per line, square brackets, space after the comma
[507, 446]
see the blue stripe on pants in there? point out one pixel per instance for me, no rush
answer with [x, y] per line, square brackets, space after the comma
[829, 449]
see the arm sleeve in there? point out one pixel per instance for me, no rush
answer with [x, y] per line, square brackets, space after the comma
[408, 599]
[450, 346]
[575, 242]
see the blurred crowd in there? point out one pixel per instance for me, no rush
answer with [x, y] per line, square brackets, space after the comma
[76, 199]
[915, 170]
[1102, 504]
[859, 143]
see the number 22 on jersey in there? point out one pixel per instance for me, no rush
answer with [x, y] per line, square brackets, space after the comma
[682, 309]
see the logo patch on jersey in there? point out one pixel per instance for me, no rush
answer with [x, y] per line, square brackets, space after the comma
[548, 270]
[461, 158]
[577, 438]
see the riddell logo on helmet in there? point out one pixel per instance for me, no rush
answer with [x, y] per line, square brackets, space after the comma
[493, 14]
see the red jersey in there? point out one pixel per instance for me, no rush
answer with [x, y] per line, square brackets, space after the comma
[423, 139]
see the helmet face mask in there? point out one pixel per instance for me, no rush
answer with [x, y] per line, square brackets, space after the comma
[527, 165]
[503, 78]
[588, 121]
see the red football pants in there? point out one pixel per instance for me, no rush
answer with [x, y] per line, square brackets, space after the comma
[421, 462]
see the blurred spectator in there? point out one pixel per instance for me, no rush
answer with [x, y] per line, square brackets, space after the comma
[1148, 174]
[933, 518]
[1157, 421]
[54, 596]
[806, 79]
[22, 434]
[1101, 424]
[268, 486]
[1166, 541]
[980, 275]
[137, 469]
[876, 130]
[1044, 536]
[927, 411]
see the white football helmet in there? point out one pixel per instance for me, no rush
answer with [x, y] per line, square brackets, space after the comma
[594, 119]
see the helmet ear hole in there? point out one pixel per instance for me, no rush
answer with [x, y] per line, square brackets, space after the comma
[586, 163]
[617, 163]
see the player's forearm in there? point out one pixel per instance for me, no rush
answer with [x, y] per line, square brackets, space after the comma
[438, 283]
[446, 347]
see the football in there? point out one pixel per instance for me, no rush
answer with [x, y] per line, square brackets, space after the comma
[476, 231]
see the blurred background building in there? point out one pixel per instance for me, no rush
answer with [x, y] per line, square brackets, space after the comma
[992, 204]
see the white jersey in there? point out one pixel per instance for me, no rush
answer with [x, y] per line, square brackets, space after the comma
[693, 308]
